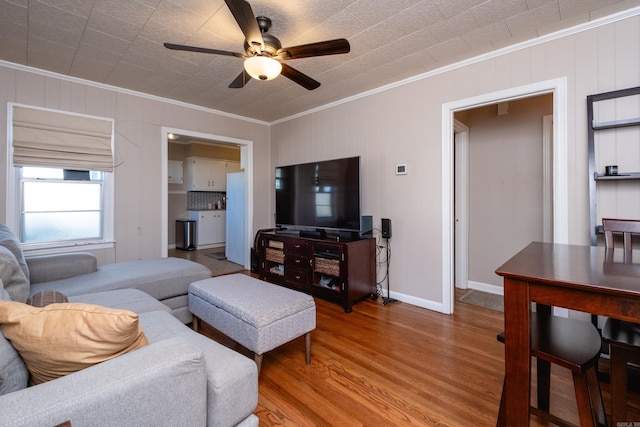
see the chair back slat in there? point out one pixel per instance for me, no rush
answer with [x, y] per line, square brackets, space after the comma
[627, 227]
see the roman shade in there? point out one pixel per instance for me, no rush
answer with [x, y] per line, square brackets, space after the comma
[61, 140]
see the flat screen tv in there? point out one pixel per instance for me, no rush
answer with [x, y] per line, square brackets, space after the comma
[321, 195]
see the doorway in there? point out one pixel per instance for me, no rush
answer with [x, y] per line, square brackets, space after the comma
[557, 88]
[499, 187]
[245, 148]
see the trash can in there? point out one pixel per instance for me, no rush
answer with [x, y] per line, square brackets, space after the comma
[185, 234]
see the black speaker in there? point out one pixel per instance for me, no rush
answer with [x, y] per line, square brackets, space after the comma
[255, 261]
[386, 228]
[366, 226]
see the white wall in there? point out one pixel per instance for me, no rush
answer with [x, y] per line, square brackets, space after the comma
[403, 125]
[138, 139]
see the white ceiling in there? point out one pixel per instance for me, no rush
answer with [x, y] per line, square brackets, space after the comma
[119, 42]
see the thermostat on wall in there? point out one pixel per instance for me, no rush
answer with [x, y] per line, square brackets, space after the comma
[401, 169]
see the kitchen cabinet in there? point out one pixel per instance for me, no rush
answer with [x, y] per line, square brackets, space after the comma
[206, 174]
[210, 227]
[175, 172]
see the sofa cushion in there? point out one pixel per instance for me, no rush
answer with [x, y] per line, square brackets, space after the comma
[59, 339]
[15, 282]
[232, 378]
[9, 240]
[160, 277]
[14, 375]
[123, 299]
[47, 268]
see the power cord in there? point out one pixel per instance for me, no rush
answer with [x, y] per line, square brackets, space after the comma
[387, 300]
[380, 262]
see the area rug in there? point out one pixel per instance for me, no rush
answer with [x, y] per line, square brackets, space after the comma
[216, 255]
[483, 299]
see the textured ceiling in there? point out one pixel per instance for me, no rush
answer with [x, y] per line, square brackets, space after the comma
[119, 42]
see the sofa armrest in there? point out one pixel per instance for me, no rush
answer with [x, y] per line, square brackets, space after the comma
[46, 268]
[163, 383]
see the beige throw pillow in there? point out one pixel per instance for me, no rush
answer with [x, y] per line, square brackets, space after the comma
[60, 339]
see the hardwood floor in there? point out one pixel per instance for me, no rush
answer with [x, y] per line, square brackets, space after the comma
[396, 365]
[217, 266]
[386, 365]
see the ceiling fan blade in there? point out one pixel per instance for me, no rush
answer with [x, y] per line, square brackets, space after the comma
[329, 47]
[300, 78]
[243, 14]
[202, 50]
[240, 81]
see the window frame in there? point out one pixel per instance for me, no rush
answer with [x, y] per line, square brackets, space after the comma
[14, 200]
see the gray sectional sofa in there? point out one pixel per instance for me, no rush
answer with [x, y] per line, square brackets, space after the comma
[180, 379]
[165, 279]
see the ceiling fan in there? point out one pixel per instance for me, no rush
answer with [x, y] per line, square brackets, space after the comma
[263, 50]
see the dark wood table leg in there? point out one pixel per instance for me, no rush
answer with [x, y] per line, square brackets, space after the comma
[618, 378]
[543, 368]
[517, 350]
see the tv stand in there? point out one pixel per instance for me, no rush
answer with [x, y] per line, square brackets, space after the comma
[287, 232]
[340, 271]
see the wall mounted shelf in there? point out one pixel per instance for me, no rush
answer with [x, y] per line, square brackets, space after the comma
[595, 176]
[620, 176]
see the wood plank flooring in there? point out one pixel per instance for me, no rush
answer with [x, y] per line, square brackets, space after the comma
[386, 365]
[396, 364]
[217, 266]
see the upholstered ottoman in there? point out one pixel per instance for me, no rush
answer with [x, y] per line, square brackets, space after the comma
[256, 314]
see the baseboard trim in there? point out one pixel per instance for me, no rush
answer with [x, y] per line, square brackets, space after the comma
[486, 287]
[419, 302]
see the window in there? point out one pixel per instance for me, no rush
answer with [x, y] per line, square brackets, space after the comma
[324, 196]
[279, 179]
[61, 193]
[60, 205]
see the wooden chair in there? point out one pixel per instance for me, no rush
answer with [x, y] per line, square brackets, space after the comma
[623, 337]
[572, 344]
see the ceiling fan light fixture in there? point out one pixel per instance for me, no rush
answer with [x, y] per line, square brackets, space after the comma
[262, 67]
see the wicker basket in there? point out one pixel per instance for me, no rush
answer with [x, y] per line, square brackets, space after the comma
[276, 244]
[327, 266]
[274, 255]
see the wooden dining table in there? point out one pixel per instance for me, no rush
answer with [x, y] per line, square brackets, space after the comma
[589, 279]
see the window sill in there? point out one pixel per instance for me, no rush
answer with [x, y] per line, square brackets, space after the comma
[64, 247]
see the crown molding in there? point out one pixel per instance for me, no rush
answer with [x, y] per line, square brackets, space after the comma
[483, 57]
[131, 92]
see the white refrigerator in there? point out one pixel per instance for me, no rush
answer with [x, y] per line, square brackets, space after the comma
[236, 212]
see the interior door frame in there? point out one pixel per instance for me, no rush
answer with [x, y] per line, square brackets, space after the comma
[558, 88]
[461, 205]
[547, 175]
[246, 162]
